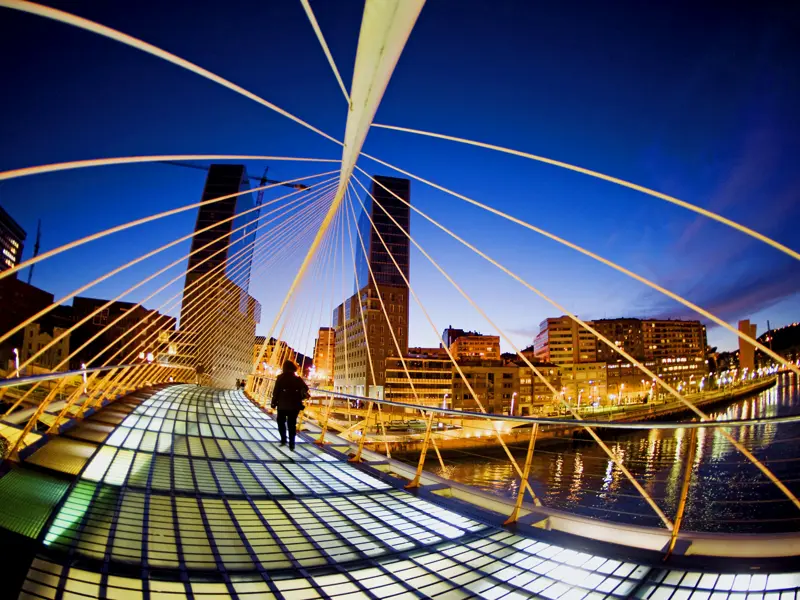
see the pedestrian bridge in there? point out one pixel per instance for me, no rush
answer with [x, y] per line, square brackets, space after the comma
[184, 492]
[180, 491]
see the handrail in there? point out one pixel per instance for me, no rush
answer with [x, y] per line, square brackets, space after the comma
[18, 381]
[673, 528]
[558, 421]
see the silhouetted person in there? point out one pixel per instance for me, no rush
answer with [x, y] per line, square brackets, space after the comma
[288, 395]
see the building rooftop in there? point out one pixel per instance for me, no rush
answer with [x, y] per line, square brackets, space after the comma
[435, 352]
[16, 228]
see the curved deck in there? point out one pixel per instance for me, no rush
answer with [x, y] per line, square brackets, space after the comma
[184, 492]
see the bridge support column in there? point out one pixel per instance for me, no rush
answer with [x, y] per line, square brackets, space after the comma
[320, 441]
[383, 429]
[526, 471]
[687, 480]
[415, 482]
[357, 457]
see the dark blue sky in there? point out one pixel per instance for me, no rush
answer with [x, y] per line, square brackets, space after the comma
[695, 101]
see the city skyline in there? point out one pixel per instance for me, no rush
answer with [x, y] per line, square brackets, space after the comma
[363, 223]
[691, 129]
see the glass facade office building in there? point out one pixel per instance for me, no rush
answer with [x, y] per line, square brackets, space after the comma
[211, 252]
[217, 310]
[386, 273]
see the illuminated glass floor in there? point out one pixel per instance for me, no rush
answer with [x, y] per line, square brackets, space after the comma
[185, 493]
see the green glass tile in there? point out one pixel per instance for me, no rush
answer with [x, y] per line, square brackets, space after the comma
[26, 499]
[96, 511]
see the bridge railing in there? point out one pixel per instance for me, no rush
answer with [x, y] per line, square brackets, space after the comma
[33, 405]
[725, 492]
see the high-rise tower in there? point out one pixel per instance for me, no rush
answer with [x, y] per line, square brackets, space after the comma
[220, 231]
[218, 316]
[381, 236]
[386, 273]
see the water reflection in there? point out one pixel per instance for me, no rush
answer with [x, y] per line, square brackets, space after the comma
[727, 492]
[577, 473]
[608, 478]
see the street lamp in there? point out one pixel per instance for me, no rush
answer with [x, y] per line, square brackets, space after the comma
[16, 362]
[83, 368]
[444, 401]
[621, 390]
[513, 398]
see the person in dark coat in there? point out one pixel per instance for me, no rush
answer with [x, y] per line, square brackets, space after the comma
[288, 395]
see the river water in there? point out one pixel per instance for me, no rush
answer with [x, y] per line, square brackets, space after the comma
[727, 492]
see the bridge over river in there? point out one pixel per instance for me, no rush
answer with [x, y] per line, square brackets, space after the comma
[183, 492]
[124, 479]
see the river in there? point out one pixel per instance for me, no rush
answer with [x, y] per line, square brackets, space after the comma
[727, 492]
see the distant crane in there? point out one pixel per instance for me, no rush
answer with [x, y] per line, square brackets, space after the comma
[262, 183]
[769, 335]
[35, 249]
[262, 180]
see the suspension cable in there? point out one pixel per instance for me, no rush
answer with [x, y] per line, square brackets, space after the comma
[142, 375]
[639, 188]
[168, 213]
[263, 241]
[690, 405]
[378, 293]
[530, 365]
[81, 23]
[206, 316]
[313, 20]
[698, 309]
[447, 350]
[41, 313]
[108, 326]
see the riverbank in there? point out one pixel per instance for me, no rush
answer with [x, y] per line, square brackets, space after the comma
[676, 408]
[727, 493]
[480, 436]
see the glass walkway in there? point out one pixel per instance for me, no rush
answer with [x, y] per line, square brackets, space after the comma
[184, 492]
